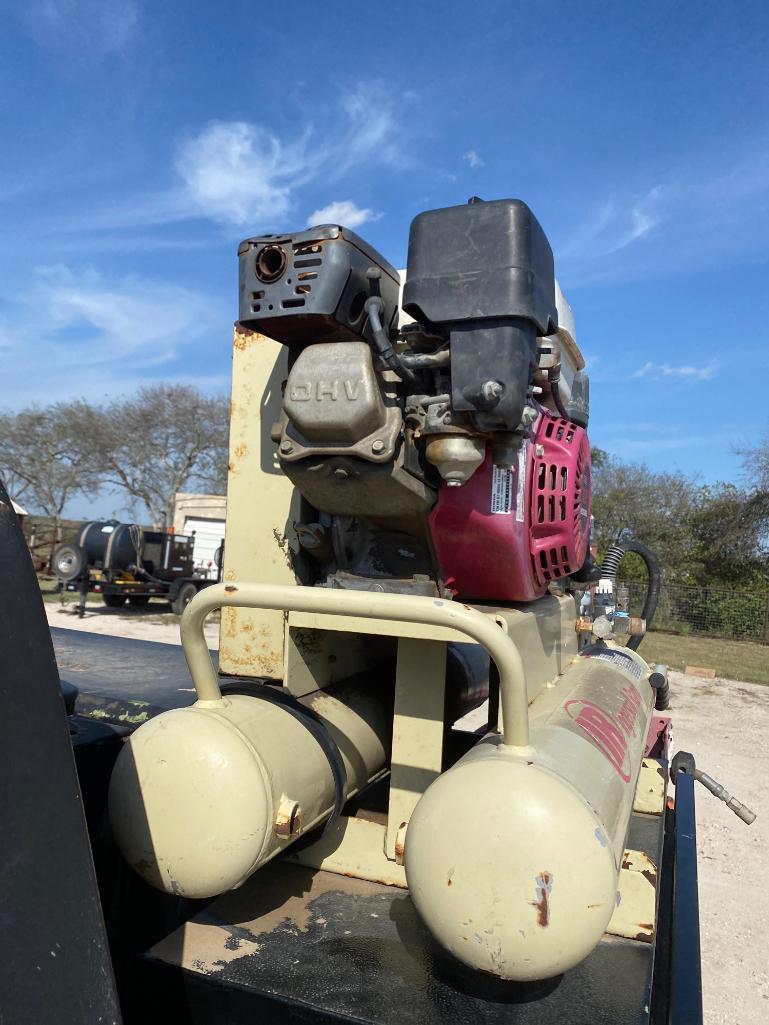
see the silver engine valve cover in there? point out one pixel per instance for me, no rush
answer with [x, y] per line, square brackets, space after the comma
[334, 404]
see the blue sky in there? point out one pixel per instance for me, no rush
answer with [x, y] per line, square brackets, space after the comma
[139, 142]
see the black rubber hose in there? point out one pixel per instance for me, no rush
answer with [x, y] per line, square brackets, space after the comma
[388, 355]
[609, 568]
[554, 376]
[426, 360]
[556, 393]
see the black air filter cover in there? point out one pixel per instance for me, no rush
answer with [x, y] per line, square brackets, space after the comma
[311, 286]
[480, 261]
[484, 273]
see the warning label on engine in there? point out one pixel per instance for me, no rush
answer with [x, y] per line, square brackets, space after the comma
[501, 490]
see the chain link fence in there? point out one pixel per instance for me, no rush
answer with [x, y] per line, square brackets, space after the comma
[707, 611]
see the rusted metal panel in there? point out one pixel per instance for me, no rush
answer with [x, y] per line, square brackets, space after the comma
[650, 790]
[262, 507]
[635, 914]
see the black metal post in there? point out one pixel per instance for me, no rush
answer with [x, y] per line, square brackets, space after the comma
[54, 962]
[686, 968]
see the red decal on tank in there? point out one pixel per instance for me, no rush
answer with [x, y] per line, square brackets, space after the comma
[608, 732]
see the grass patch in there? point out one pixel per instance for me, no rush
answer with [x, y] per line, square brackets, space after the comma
[736, 660]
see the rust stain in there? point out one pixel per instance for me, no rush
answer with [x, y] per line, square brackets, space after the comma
[230, 588]
[308, 642]
[241, 451]
[230, 574]
[282, 543]
[400, 845]
[650, 876]
[647, 932]
[542, 903]
[230, 467]
[243, 337]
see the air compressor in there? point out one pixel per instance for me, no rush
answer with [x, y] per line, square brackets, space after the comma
[407, 541]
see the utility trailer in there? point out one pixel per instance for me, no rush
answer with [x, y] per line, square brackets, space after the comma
[123, 562]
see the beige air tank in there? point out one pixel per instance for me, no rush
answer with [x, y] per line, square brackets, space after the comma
[512, 858]
[200, 797]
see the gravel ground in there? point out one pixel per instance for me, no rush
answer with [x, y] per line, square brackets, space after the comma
[725, 724]
[143, 625]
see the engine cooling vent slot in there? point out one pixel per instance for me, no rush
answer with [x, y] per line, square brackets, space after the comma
[560, 499]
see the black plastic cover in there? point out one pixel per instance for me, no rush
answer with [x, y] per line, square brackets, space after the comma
[484, 273]
[480, 261]
[316, 285]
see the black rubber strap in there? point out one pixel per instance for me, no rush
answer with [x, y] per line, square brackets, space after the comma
[312, 723]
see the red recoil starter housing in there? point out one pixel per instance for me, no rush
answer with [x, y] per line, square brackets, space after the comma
[506, 534]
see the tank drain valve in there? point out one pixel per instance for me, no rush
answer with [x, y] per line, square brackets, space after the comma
[684, 762]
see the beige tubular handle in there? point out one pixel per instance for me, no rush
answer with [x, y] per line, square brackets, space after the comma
[367, 605]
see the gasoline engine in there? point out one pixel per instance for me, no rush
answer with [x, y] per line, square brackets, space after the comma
[408, 535]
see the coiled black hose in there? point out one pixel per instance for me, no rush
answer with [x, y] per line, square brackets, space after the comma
[610, 566]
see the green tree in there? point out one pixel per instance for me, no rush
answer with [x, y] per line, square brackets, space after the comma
[46, 457]
[167, 438]
[655, 508]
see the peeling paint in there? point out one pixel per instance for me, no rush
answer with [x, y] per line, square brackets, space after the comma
[544, 883]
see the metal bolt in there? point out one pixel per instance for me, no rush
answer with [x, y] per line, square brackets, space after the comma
[492, 391]
[286, 446]
[288, 819]
[340, 473]
[539, 451]
[378, 447]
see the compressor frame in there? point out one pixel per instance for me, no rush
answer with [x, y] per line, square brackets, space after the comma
[34, 716]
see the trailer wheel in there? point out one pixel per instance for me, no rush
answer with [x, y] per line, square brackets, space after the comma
[184, 596]
[69, 562]
[138, 601]
[114, 601]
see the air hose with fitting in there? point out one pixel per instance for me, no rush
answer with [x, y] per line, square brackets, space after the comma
[610, 567]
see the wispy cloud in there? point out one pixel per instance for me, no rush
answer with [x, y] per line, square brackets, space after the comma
[473, 159]
[240, 174]
[708, 213]
[243, 174]
[343, 211]
[704, 372]
[94, 27]
[78, 334]
[614, 225]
